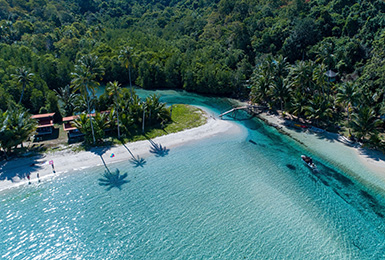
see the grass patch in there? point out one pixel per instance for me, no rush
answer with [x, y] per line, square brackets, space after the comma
[183, 117]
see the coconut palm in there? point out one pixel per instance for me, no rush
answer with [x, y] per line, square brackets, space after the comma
[67, 99]
[280, 66]
[319, 110]
[113, 89]
[125, 55]
[156, 110]
[347, 96]
[24, 77]
[298, 104]
[84, 80]
[261, 82]
[365, 122]
[3, 125]
[133, 107]
[281, 91]
[17, 127]
[302, 76]
[83, 123]
[319, 78]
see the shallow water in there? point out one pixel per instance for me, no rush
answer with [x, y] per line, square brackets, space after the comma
[221, 198]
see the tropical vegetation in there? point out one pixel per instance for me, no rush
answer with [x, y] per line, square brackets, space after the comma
[54, 53]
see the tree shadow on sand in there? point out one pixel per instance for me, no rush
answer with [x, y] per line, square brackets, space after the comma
[19, 168]
[113, 179]
[158, 149]
[136, 161]
[100, 151]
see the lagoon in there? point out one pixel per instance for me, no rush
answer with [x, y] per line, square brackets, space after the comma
[220, 198]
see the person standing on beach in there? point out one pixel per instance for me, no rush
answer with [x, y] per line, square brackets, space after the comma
[53, 167]
[29, 178]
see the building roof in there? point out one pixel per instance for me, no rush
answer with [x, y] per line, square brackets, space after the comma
[69, 118]
[67, 126]
[330, 74]
[38, 116]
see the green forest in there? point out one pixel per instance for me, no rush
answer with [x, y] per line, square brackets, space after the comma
[273, 52]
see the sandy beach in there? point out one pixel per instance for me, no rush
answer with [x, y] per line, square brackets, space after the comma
[365, 165]
[14, 172]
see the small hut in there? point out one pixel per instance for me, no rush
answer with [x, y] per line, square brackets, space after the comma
[44, 123]
[70, 128]
[331, 75]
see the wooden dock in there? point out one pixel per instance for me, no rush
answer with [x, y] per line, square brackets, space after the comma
[252, 109]
[232, 110]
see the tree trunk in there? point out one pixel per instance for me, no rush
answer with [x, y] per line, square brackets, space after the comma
[129, 76]
[144, 112]
[89, 115]
[117, 117]
[22, 93]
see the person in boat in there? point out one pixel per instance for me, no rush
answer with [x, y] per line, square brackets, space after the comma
[308, 159]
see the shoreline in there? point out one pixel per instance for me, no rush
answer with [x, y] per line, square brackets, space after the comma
[362, 164]
[365, 165]
[14, 172]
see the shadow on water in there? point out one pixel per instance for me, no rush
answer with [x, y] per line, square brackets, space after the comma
[291, 167]
[136, 161]
[352, 193]
[158, 149]
[113, 179]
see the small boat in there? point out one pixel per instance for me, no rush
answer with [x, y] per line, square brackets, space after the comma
[309, 162]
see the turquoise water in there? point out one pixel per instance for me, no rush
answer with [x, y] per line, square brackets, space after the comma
[221, 198]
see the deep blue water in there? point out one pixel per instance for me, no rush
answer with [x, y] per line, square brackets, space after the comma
[220, 198]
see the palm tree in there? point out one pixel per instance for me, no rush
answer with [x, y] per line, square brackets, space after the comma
[347, 96]
[365, 122]
[17, 127]
[3, 125]
[298, 104]
[324, 55]
[67, 98]
[280, 66]
[24, 77]
[125, 55]
[83, 123]
[281, 90]
[84, 80]
[319, 110]
[319, 78]
[113, 89]
[261, 82]
[302, 76]
[156, 110]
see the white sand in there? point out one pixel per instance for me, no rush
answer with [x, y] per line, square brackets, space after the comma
[365, 165]
[66, 161]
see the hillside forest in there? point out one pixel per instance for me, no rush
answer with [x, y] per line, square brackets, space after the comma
[277, 53]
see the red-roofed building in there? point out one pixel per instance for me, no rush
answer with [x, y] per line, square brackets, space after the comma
[70, 128]
[44, 123]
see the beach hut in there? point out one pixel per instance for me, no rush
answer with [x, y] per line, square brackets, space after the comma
[44, 123]
[70, 128]
[331, 75]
